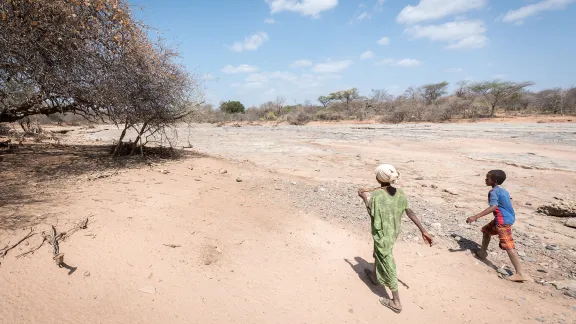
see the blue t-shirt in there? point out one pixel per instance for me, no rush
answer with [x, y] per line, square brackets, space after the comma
[504, 213]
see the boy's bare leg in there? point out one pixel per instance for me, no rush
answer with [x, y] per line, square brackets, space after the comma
[483, 252]
[519, 276]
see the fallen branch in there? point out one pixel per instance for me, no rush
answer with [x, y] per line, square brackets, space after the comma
[33, 250]
[79, 226]
[8, 248]
[172, 245]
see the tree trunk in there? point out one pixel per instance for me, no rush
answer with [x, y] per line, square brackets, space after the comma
[139, 138]
[115, 151]
[493, 110]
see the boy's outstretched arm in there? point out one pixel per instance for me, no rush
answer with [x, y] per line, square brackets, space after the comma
[486, 211]
[427, 238]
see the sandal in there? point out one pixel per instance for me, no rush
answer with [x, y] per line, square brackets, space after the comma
[388, 303]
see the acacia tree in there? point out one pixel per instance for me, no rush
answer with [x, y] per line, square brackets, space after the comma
[431, 92]
[325, 100]
[495, 92]
[345, 96]
[93, 59]
[58, 55]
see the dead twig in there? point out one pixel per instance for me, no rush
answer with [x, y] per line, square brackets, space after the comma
[79, 226]
[8, 248]
[53, 240]
[33, 250]
[172, 245]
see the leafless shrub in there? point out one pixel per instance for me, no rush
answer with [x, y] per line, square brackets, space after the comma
[328, 115]
[298, 118]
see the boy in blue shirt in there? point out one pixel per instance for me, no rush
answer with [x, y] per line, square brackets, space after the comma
[501, 225]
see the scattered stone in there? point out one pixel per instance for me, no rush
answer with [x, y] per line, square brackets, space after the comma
[521, 253]
[424, 186]
[528, 203]
[462, 206]
[570, 293]
[238, 179]
[419, 178]
[457, 238]
[539, 319]
[87, 273]
[164, 171]
[437, 226]
[528, 259]
[552, 247]
[542, 270]
[562, 208]
[190, 168]
[564, 284]
[294, 183]
[148, 290]
[223, 171]
[504, 272]
[434, 186]
[571, 222]
[450, 191]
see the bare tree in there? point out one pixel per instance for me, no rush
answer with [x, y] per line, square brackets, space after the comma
[552, 100]
[495, 92]
[462, 90]
[413, 94]
[279, 103]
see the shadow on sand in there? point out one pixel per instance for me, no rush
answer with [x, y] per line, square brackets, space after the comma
[359, 267]
[471, 246]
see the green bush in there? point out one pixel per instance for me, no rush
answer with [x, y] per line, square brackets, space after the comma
[232, 107]
[270, 116]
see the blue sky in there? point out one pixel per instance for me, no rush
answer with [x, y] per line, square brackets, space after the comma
[256, 50]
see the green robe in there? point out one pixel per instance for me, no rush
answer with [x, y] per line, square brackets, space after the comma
[386, 213]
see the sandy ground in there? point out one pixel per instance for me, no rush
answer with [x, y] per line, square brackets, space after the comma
[276, 247]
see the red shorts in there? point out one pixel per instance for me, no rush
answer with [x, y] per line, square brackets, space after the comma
[504, 233]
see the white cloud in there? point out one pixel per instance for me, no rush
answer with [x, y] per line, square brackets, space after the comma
[384, 41]
[459, 34]
[243, 68]
[301, 64]
[311, 8]
[269, 21]
[253, 85]
[257, 77]
[455, 70]
[250, 43]
[331, 66]
[407, 62]
[280, 78]
[518, 15]
[367, 55]
[363, 15]
[437, 9]
[208, 77]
